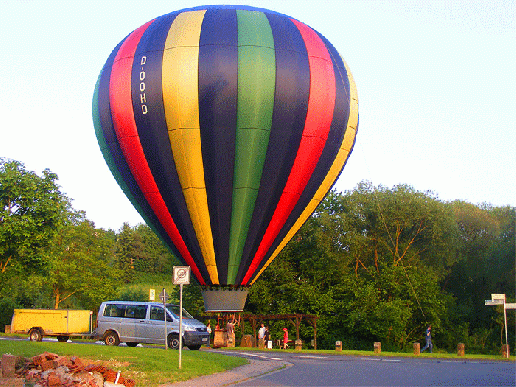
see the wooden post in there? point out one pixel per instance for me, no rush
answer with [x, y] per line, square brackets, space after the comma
[506, 351]
[338, 346]
[417, 349]
[298, 344]
[377, 347]
[461, 349]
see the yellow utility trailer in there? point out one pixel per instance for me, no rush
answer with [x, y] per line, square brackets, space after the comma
[61, 323]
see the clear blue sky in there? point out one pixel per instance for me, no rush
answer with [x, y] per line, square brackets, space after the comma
[436, 84]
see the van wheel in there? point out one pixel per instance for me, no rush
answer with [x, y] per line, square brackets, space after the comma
[194, 347]
[173, 341]
[35, 334]
[131, 344]
[111, 338]
[63, 339]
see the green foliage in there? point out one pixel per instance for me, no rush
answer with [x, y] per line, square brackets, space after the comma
[32, 209]
[86, 252]
[379, 264]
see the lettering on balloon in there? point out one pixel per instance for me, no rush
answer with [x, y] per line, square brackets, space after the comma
[143, 97]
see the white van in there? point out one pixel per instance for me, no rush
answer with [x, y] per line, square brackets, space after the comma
[134, 322]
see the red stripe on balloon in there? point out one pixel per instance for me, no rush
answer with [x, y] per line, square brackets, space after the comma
[127, 134]
[321, 103]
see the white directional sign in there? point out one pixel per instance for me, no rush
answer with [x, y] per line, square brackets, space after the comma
[498, 296]
[494, 302]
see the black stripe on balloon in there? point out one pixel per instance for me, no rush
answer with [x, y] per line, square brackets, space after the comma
[331, 148]
[343, 74]
[288, 121]
[218, 92]
[113, 147]
[149, 115]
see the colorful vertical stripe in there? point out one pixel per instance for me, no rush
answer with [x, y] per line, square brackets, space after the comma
[225, 126]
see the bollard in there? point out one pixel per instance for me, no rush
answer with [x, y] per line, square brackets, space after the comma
[417, 349]
[461, 349]
[261, 344]
[231, 340]
[377, 347]
[298, 344]
[506, 351]
[338, 346]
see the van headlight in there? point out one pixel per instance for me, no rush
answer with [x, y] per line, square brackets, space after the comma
[189, 329]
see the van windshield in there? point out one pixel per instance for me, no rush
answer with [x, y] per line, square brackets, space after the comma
[174, 309]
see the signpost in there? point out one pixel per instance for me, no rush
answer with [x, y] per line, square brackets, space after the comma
[499, 299]
[181, 277]
[164, 297]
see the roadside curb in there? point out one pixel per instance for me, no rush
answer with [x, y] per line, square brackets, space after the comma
[254, 369]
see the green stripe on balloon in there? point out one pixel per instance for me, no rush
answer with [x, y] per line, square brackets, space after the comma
[256, 82]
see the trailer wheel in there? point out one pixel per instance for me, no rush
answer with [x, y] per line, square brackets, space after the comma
[35, 334]
[111, 338]
[63, 339]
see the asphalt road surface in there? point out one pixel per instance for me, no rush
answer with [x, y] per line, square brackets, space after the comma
[382, 371]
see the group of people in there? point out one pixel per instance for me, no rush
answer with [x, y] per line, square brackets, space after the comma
[263, 334]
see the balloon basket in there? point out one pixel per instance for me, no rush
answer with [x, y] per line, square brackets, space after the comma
[224, 299]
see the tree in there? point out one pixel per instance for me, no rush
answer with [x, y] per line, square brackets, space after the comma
[129, 249]
[155, 257]
[81, 265]
[368, 262]
[485, 264]
[32, 210]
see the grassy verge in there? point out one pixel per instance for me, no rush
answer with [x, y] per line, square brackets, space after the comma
[147, 366]
[435, 355]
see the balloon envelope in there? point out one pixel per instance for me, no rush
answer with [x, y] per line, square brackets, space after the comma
[225, 126]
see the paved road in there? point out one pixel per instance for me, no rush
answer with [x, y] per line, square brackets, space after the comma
[309, 370]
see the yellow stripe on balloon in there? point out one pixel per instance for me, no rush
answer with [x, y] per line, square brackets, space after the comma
[333, 173]
[181, 101]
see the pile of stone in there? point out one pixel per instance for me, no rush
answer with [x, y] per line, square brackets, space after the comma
[51, 370]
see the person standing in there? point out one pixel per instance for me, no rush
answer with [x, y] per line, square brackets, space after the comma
[428, 336]
[261, 332]
[208, 329]
[261, 336]
[285, 338]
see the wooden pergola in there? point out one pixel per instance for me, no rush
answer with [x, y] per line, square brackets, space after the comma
[257, 319]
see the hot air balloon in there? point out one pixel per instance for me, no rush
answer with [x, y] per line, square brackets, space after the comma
[225, 126]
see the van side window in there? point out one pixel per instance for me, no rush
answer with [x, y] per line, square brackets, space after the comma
[136, 311]
[156, 313]
[114, 310]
